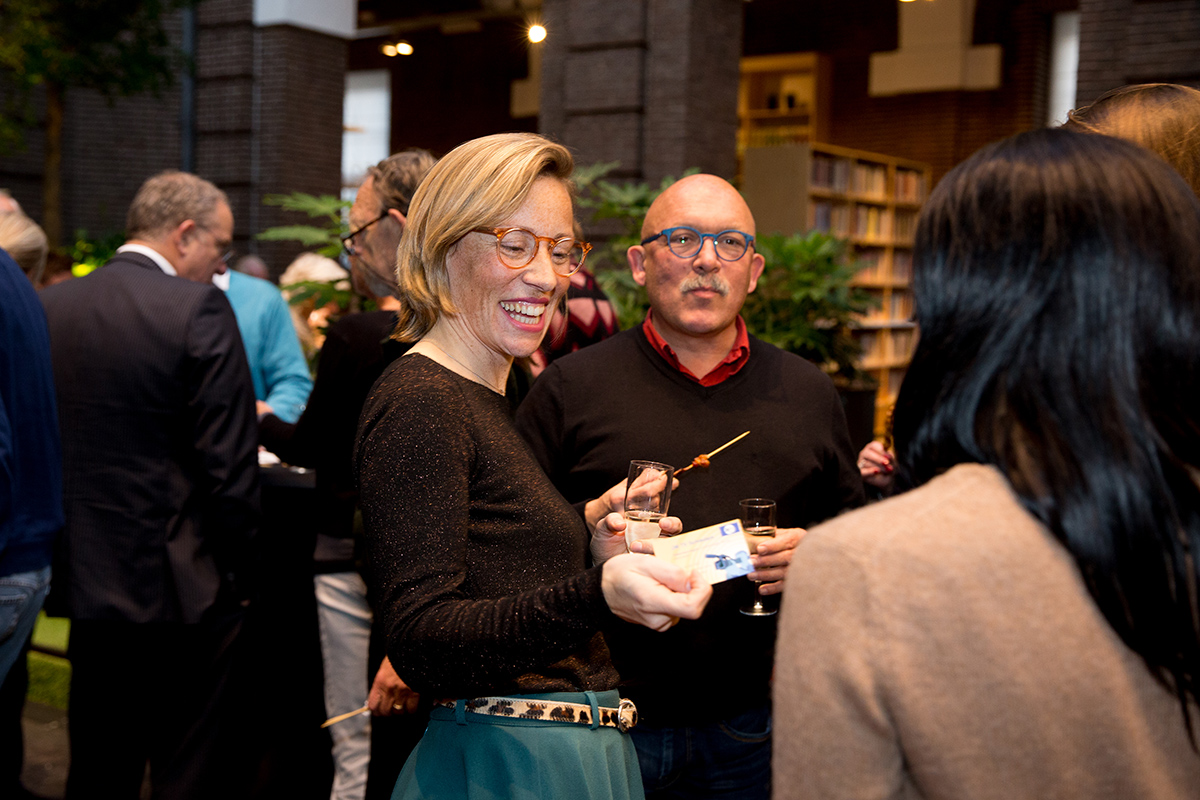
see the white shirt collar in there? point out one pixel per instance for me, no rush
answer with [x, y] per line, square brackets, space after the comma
[221, 280]
[150, 253]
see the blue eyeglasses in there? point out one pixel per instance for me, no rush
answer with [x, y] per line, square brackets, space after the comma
[687, 242]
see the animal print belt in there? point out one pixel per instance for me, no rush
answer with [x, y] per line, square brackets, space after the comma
[622, 718]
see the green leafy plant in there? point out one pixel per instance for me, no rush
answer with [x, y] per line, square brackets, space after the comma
[805, 301]
[324, 238]
[88, 254]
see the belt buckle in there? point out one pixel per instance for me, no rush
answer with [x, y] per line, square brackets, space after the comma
[626, 715]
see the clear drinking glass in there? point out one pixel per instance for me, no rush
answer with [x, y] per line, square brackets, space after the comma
[758, 523]
[647, 498]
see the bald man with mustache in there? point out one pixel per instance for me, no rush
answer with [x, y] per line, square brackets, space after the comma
[686, 380]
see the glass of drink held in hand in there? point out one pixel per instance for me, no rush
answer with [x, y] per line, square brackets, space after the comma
[647, 497]
[758, 525]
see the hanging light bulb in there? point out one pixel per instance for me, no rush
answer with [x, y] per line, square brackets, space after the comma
[388, 49]
[404, 48]
[537, 33]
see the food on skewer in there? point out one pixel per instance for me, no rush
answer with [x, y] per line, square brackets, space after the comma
[703, 459]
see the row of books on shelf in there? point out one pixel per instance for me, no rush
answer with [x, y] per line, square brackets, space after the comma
[775, 135]
[829, 217]
[896, 308]
[871, 222]
[884, 346]
[910, 186]
[831, 173]
[906, 225]
[870, 180]
[873, 266]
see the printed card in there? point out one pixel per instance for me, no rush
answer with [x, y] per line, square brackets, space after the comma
[716, 553]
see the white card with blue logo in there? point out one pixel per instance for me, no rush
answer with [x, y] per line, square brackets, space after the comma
[715, 554]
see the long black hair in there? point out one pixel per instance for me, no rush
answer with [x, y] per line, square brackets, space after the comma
[1057, 289]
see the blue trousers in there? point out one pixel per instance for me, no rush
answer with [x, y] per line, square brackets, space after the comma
[730, 760]
[21, 598]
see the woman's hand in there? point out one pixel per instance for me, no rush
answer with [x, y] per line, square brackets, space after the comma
[389, 694]
[877, 466]
[608, 539]
[772, 558]
[651, 592]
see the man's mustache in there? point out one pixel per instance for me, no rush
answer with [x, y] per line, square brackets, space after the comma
[711, 282]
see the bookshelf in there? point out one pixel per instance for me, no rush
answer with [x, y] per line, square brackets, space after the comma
[783, 98]
[869, 199]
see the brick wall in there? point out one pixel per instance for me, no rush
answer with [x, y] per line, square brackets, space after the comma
[943, 128]
[649, 83]
[268, 119]
[1122, 42]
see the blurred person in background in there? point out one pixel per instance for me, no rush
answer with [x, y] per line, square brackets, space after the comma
[310, 319]
[26, 243]
[277, 365]
[367, 753]
[253, 266]
[160, 489]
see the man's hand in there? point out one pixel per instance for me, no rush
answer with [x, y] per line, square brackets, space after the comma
[608, 540]
[390, 695]
[773, 557]
[612, 501]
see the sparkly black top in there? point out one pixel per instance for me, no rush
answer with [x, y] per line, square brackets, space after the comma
[478, 563]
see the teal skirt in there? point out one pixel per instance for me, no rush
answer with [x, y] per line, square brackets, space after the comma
[482, 757]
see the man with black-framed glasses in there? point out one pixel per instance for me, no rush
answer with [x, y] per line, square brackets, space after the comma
[368, 752]
[685, 381]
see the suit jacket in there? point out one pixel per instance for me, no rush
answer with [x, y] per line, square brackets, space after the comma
[160, 477]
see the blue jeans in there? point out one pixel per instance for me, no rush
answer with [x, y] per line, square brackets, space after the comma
[729, 759]
[21, 598]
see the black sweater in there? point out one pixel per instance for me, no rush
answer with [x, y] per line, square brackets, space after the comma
[480, 563]
[356, 351]
[591, 412]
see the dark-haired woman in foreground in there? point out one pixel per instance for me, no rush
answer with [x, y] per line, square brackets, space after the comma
[1023, 623]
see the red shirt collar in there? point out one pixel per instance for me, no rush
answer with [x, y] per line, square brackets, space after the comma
[734, 361]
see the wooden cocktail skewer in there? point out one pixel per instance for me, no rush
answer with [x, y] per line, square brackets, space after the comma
[702, 461]
[347, 715]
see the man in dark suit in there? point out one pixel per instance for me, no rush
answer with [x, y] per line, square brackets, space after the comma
[156, 409]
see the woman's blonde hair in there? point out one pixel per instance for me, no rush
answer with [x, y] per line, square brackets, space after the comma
[477, 185]
[26, 242]
[1162, 117]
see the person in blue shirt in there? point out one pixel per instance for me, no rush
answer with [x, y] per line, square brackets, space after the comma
[277, 365]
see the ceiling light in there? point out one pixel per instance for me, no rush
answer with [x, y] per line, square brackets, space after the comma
[404, 48]
[388, 49]
[536, 33]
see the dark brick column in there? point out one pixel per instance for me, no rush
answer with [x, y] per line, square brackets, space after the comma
[1122, 41]
[269, 118]
[649, 83]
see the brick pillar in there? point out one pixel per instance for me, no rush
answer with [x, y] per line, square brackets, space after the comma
[269, 118]
[649, 83]
[1123, 41]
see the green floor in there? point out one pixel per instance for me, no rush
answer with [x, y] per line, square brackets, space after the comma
[50, 675]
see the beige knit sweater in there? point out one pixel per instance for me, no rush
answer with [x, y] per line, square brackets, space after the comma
[942, 645]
